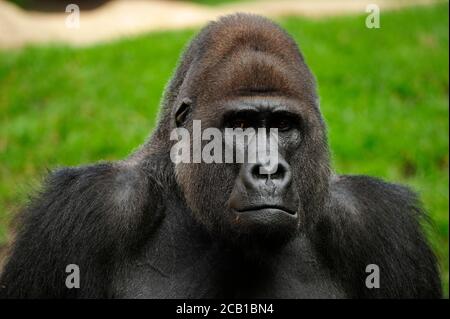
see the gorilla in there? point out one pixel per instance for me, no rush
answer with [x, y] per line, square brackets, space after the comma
[146, 227]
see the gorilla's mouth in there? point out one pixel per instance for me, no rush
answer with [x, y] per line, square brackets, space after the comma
[267, 208]
[266, 219]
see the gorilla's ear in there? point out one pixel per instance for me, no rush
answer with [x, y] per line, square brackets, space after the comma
[182, 111]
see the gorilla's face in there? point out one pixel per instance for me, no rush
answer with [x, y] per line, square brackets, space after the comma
[263, 197]
[252, 78]
[258, 199]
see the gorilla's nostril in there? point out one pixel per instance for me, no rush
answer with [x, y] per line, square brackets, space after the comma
[279, 173]
[260, 172]
[255, 171]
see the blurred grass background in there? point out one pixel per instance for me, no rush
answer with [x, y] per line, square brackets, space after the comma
[384, 95]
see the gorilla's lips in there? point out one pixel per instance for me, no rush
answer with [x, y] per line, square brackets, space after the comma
[267, 208]
[266, 219]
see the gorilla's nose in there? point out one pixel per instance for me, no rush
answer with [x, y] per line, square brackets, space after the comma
[275, 174]
[265, 186]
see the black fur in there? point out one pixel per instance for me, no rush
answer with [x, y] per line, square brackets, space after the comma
[145, 228]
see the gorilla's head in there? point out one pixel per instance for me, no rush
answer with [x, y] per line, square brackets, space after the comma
[244, 71]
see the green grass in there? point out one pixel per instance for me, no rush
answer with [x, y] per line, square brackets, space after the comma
[384, 95]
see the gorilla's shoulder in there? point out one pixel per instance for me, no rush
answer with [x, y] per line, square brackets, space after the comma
[78, 175]
[374, 222]
[109, 189]
[88, 213]
[369, 195]
[363, 184]
[110, 176]
[387, 209]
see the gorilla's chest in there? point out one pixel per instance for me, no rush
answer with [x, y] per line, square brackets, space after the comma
[174, 264]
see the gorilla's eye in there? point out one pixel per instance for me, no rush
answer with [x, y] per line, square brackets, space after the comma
[283, 122]
[240, 120]
[240, 123]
